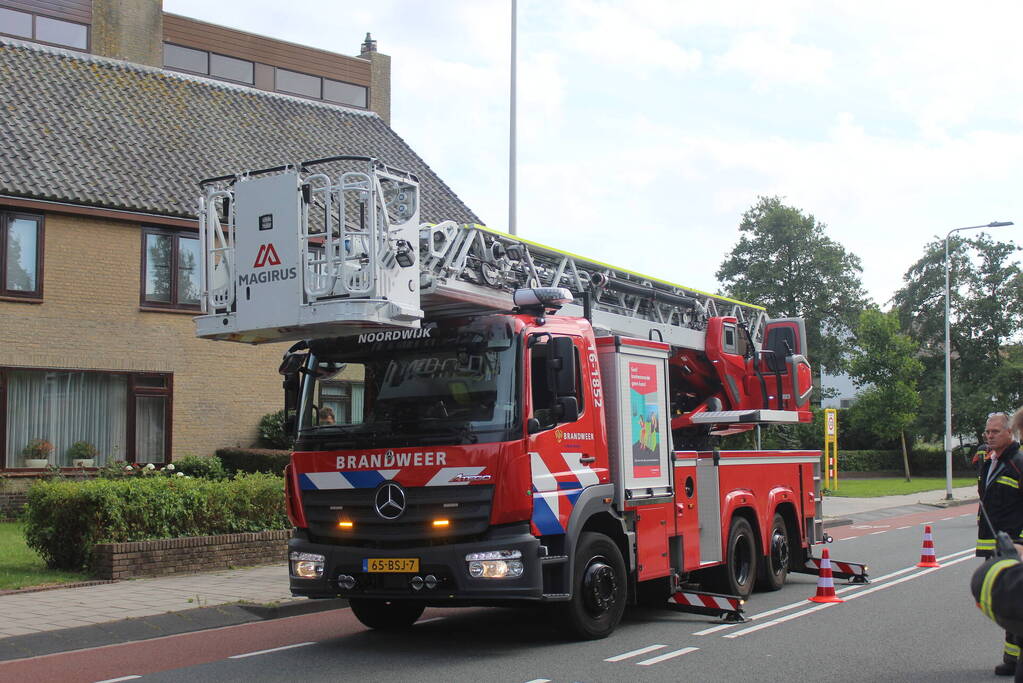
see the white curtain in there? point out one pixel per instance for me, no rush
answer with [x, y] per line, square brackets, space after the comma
[149, 428]
[65, 407]
[358, 399]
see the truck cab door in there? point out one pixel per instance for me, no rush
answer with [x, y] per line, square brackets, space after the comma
[565, 450]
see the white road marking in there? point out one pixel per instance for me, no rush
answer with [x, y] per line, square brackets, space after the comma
[274, 649]
[945, 519]
[540, 680]
[902, 527]
[667, 655]
[838, 591]
[853, 596]
[635, 653]
[427, 621]
[122, 678]
[875, 533]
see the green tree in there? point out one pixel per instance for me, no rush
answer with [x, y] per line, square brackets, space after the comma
[785, 262]
[986, 306]
[884, 363]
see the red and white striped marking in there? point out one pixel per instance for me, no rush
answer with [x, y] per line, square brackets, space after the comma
[927, 558]
[851, 568]
[722, 602]
[825, 582]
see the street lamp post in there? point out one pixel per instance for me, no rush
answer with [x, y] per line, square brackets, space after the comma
[948, 357]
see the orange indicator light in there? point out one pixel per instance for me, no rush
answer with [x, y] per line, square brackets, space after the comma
[441, 522]
[345, 525]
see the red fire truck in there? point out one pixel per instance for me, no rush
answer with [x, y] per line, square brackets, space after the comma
[484, 420]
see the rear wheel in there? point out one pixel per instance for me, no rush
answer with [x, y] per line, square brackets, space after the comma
[774, 568]
[737, 574]
[599, 588]
[386, 615]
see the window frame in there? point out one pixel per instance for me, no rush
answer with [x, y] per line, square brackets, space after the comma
[34, 30]
[174, 303]
[6, 217]
[133, 392]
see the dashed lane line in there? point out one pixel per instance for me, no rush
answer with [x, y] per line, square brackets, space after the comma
[540, 680]
[838, 591]
[853, 596]
[122, 678]
[273, 649]
[666, 656]
[635, 653]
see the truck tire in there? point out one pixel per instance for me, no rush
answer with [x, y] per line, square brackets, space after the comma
[774, 565]
[386, 615]
[737, 575]
[599, 589]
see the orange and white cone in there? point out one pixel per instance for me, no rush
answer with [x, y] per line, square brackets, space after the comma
[927, 558]
[825, 582]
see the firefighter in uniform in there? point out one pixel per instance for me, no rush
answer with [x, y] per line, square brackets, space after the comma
[998, 483]
[998, 589]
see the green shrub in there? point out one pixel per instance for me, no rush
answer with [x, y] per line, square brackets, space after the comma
[271, 431]
[254, 460]
[81, 450]
[210, 467]
[869, 461]
[64, 520]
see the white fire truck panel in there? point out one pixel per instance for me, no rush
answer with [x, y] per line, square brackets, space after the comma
[639, 437]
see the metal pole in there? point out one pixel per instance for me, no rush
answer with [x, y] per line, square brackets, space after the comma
[948, 356]
[512, 230]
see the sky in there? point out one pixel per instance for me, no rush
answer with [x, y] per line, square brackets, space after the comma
[647, 128]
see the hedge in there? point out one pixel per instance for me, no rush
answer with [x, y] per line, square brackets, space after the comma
[254, 460]
[922, 460]
[65, 519]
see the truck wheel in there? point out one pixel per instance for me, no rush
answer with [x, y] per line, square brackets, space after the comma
[774, 567]
[599, 589]
[386, 615]
[737, 574]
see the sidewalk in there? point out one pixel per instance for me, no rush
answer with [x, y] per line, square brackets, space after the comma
[63, 619]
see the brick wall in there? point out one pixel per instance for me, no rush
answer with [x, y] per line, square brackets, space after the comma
[184, 555]
[12, 504]
[90, 319]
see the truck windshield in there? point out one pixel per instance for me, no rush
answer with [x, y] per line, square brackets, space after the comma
[440, 385]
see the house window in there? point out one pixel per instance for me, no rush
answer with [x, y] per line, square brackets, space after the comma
[231, 69]
[186, 59]
[122, 416]
[44, 29]
[170, 267]
[62, 33]
[298, 84]
[344, 93]
[21, 255]
[345, 399]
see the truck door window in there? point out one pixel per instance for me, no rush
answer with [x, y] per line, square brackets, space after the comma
[728, 344]
[544, 401]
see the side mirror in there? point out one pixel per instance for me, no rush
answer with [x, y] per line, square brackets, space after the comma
[289, 424]
[561, 370]
[567, 409]
[292, 386]
[533, 425]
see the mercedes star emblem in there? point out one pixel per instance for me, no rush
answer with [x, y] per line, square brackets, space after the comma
[390, 501]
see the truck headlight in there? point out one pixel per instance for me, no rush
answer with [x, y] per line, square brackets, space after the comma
[307, 565]
[495, 564]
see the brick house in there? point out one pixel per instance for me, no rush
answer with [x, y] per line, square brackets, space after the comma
[112, 112]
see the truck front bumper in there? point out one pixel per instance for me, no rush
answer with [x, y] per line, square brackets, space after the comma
[443, 575]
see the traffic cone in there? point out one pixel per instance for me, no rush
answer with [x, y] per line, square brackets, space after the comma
[927, 558]
[825, 582]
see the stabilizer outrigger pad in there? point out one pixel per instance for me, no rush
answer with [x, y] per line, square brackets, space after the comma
[853, 572]
[729, 607]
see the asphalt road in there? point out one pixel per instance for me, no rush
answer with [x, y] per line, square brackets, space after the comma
[909, 624]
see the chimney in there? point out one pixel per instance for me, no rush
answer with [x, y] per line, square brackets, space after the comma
[379, 78]
[131, 30]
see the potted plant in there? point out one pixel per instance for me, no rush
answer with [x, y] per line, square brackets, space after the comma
[37, 453]
[82, 454]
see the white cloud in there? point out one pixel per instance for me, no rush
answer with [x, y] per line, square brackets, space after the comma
[770, 59]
